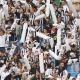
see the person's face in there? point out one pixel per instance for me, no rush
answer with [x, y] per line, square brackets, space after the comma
[9, 9]
[41, 12]
[1, 33]
[40, 0]
[30, 51]
[31, 10]
[45, 56]
[31, 39]
[9, 24]
[24, 44]
[51, 0]
[0, 54]
[0, 7]
[63, 2]
[18, 3]
[34, 65]
[59, 19]
[45, 31]
[36, 23]
[21, 11]
[15, 57]
[47, 47]
[61, 65]
[37, 73]
[67, 32]
[79, 30]
[73, 48]
[66, 13]
[37, 57]
[29, 58]
[52, 64]
[5, 70]
[19, 64]
[55, 7]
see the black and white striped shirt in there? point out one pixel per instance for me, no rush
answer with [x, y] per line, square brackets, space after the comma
[31, 18]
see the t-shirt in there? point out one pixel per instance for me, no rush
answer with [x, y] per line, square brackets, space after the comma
[2, 40]
[34, 78]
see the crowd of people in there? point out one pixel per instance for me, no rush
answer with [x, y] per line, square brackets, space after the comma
[33, 47]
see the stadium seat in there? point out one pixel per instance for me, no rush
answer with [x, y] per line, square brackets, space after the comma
[69, 69]
[74, 74]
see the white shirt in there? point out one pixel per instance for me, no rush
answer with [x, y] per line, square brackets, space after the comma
[4, 74]
[65, 8]
[48, 72]
[2, 40]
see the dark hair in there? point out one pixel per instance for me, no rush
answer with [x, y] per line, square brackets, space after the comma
[48, 65]
[67, 28]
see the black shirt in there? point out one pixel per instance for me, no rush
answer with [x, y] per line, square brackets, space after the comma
[34, 78]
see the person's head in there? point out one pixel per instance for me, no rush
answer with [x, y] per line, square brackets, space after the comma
[42, 12]
[7, 68]
[37, 73]
[30, 50]
[9, 9]
[1, 32]
[34, 65]
[21, 10]
[66, 13]
[68, 33]
[1, 53]
[31, 10]
[9, 23]
[55, 7]
[73, 46]
[73, 79]
[40, 0]
[61, 65]
[19, 64]
[52, 64]
[51, 0]
[41, 50]
[59, 19]
[47, 47]
[63, 2]
[78, 29]
[45, 30]
[48, 65]
[28, 1]
[1, 6]
[15, 58]
[19, 3]
[45, 56]
[24, 44]
[31, 39]
[9, 3]
[37, 57]
[36, 23]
